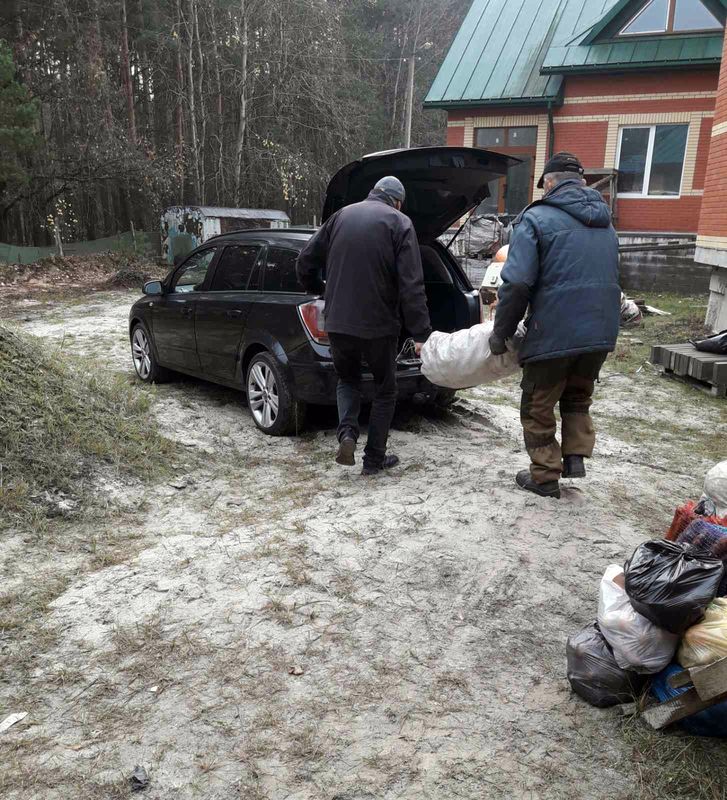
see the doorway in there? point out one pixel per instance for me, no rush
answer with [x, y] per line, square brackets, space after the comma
[513, 193]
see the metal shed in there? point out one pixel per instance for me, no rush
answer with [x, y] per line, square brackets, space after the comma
[185, 227]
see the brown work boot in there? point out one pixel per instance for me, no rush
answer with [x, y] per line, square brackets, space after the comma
[549, 489]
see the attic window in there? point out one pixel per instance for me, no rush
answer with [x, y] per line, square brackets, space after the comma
[671, 16]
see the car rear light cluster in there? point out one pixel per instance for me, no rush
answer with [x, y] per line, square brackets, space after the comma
[311, 315]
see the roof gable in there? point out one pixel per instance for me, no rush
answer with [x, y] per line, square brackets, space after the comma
[589, 45]
[623, 10]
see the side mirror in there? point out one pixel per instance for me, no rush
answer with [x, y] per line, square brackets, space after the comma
[153, 287]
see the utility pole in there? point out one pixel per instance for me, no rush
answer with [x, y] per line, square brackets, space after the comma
[410, 102]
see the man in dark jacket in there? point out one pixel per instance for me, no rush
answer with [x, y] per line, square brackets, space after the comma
[370, 257]
[563, 265]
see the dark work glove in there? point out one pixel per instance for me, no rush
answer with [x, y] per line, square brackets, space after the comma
[497, 345]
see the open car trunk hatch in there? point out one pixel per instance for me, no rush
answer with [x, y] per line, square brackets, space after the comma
[442, 183]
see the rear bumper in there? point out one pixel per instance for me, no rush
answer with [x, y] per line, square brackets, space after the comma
[316, 383]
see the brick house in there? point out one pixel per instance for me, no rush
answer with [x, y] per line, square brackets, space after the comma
[711, 246]
[630, 86]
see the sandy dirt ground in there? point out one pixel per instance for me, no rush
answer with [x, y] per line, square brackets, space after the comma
[275, 626]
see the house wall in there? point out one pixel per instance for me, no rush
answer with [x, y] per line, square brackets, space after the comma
[594, 109]
[594, 103]
[461, 128]
[711, 250]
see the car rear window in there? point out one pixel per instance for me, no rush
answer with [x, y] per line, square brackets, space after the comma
[235, 268]
[280, 271]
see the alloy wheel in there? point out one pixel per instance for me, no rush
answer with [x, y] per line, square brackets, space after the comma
[262, 395]
[141, 353]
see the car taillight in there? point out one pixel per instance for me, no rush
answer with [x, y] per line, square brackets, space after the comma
[311, 315]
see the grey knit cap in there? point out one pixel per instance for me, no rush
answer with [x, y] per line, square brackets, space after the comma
[392, 187]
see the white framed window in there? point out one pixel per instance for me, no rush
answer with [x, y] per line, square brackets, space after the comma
[650, 160]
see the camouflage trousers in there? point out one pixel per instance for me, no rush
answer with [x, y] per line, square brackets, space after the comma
[569, 383]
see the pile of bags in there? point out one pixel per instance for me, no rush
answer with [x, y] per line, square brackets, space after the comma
[483, 236]
[664, 611]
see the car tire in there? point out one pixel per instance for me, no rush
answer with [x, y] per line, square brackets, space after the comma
[274, 409]
[142, 354]
[444, 398]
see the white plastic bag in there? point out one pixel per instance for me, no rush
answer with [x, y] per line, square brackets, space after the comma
[463, 359]
[706, 642]
[715, 488]
[637, 643]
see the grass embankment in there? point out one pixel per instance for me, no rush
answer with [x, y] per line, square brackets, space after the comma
[632, 358]
[61, 426]
[686, 322]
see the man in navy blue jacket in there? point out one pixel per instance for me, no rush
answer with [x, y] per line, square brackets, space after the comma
[563, 267]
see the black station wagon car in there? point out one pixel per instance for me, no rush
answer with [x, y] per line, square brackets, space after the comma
[233, 312]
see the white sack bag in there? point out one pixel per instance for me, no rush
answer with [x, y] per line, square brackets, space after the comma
[715, 488]
[637, 643]
[463, 359]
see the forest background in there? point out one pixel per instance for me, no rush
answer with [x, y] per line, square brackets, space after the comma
[111, 110]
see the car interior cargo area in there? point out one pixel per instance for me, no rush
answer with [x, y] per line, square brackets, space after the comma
[448, 308]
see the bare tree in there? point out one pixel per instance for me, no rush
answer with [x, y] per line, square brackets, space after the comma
[244, 42]
[237, 102]
[126, 74]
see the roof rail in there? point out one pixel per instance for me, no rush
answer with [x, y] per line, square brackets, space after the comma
[299, 229]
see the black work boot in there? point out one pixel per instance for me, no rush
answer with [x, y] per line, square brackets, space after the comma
[389, 463]
[574, 467]
[525, 481]
[346, 450]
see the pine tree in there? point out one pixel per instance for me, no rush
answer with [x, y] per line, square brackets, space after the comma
[18, 130]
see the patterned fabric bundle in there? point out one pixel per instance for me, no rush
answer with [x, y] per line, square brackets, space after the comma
[708, 538]
[684, 516]
[703, 535]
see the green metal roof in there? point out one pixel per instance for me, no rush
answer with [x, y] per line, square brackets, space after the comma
[496, 57]
[514, 52]
[642, 54]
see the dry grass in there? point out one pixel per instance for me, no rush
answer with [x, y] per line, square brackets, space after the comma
[686, 322]
[60, 424]
[279, 610]
[25, 782]
[673, 766]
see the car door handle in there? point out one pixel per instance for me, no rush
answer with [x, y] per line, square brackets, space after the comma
[233, 314]
[187, 311]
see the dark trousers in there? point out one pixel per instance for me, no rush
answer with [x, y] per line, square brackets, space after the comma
[569, 383]
[349, 352]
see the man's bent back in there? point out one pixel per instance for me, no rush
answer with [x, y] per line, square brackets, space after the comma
[370, 256]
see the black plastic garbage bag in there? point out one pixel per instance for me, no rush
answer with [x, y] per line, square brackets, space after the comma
[672, 584]
[714, 344]
[594, 674]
